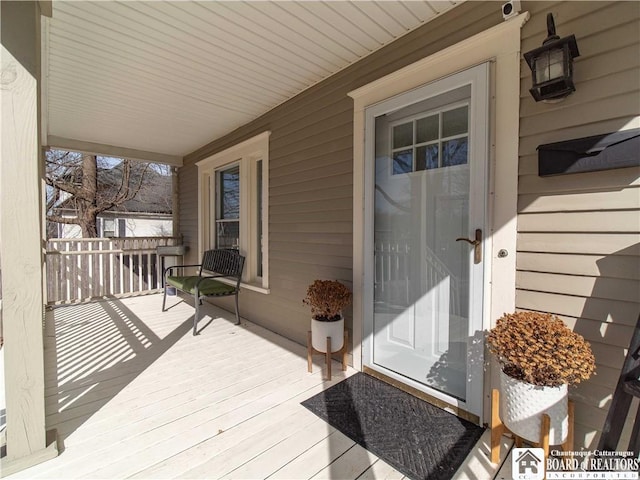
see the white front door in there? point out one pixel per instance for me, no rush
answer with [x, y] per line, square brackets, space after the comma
[427, 153]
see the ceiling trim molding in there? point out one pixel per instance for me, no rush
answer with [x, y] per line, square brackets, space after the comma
[112, 151]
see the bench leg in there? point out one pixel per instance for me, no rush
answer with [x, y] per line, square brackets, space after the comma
[164, 298]
[237, 314]
[196, 315]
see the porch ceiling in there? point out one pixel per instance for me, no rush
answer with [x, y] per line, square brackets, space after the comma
[169, 77]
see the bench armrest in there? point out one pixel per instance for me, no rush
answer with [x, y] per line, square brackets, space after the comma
[168, 269]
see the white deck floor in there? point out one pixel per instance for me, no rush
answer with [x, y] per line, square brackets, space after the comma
[134, 395]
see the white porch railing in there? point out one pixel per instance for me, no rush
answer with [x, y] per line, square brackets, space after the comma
[89, 268]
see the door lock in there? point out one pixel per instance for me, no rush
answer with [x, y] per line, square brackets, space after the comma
[477, 245]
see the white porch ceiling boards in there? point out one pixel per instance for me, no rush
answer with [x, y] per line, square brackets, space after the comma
[169, 77]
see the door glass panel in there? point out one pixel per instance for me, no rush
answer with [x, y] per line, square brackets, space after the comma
[427, 157]
[421, 275]
[455, 122]
[455, 152]
[427, 129]
[402, 135]
[402, 162]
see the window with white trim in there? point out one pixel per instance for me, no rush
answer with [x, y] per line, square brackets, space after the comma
[233, 206]
[112, 227]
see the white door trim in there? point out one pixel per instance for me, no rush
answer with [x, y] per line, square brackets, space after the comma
[499, 45]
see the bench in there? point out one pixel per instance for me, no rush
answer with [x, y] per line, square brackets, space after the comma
[216, 264]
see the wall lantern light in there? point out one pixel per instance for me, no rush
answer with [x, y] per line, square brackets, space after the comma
[552, 65]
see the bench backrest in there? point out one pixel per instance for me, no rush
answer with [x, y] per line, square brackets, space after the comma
[228, 263]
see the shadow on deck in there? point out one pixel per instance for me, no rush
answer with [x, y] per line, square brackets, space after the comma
[94, 350]
[133, 394]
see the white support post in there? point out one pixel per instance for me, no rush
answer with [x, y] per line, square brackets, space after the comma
[21, 247]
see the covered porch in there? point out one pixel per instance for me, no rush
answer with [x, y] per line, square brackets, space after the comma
[132, 394]
[123, 383]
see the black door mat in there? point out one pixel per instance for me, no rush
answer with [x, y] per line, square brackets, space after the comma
[417, 439]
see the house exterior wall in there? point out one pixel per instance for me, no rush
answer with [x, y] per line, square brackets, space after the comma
[311, 174]
[577, 252]
[578, 235]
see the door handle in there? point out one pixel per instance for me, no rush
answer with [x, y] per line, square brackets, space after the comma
[477, 245]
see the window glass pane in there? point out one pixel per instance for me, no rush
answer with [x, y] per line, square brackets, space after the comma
[228, 212]
[108, 227]
[228, 234]
[455, 122]
[229, 193]
[403, 135]
[403, 162]
[427, 129]
[259, 215]
[455, 152]
[427, 157]
[549, 65]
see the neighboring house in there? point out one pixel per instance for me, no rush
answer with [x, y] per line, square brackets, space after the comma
[148, 214]
[424, 141]
[123, 224]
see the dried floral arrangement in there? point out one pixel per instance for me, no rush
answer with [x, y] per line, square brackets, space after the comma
[327, 298]
[539, 348]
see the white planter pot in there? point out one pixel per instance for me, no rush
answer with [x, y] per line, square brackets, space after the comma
[321, 330]
[522, 405]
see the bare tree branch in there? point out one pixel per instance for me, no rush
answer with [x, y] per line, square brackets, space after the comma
[61, 219]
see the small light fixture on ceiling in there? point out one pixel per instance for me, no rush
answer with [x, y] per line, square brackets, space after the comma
[552, 65]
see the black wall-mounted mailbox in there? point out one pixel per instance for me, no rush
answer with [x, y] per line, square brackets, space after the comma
[590, 154]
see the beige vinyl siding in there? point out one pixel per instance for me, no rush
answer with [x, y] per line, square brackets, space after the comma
[310, 173]
[188, 211]
[579, 235]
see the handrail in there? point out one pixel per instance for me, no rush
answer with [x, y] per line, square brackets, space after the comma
[100, 252]
[108, 239]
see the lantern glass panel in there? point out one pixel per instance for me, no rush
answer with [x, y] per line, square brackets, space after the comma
[550, 65]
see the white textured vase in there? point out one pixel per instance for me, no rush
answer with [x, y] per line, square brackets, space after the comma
[321, 330]
[522, 405]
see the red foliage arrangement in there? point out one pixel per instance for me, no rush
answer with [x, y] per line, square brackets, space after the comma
[540, 349]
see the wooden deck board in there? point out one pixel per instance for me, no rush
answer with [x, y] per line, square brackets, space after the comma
[351, 464]
[284, 451]
[381, 470]
[315, 459]
[134, 395]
